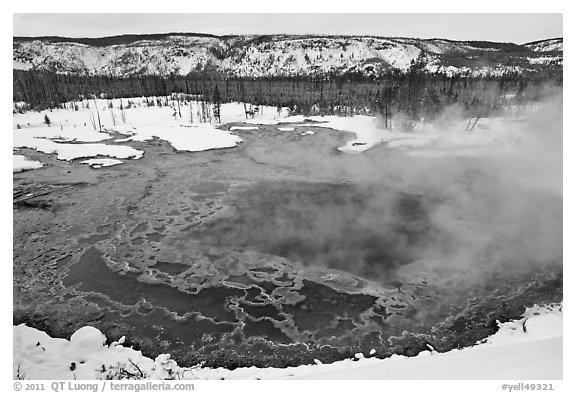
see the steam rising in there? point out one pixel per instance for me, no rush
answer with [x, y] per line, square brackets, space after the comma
[372, 213]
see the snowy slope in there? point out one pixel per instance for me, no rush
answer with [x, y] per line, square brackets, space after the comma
[178, 55]
[258, 56]
[530, 348]
[556, 44]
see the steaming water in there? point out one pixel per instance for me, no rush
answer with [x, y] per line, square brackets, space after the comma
[363, 229]
[382, 216]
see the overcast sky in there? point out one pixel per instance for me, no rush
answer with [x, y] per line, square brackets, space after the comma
[518, 28]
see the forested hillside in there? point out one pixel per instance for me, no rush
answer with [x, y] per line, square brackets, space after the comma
[308, 74]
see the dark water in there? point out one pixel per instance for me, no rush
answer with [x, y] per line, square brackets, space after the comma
[365, 230]
[208, 316]
[159, 325]
[171, 268]
[60, 263]
[265, 328]
[322, 304]
[95, 276]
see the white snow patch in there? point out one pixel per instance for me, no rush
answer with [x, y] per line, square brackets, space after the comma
[308, 133]
[21, 163]
[234, 128]
[122, 140]
[285, 128]
[195, 137]
[101, 162]
[70, 151]
[66, 126]
[68, 133]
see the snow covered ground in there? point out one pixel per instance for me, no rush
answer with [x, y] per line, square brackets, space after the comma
[20, 163]
[66, 142]
[527, 349]
[74, 134]
[90, 128]
[197, 137]
[84, 356]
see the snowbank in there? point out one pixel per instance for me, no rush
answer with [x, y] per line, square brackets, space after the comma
[39, 356]
[530, 348]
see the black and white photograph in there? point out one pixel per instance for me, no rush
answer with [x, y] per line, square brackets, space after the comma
[272, 196]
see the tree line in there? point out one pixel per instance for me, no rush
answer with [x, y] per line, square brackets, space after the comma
[416, 94]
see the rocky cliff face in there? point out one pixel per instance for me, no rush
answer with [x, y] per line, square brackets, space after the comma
[278, 55]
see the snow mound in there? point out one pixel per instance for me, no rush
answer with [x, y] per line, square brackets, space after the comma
[86, 356]
[88, 338]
